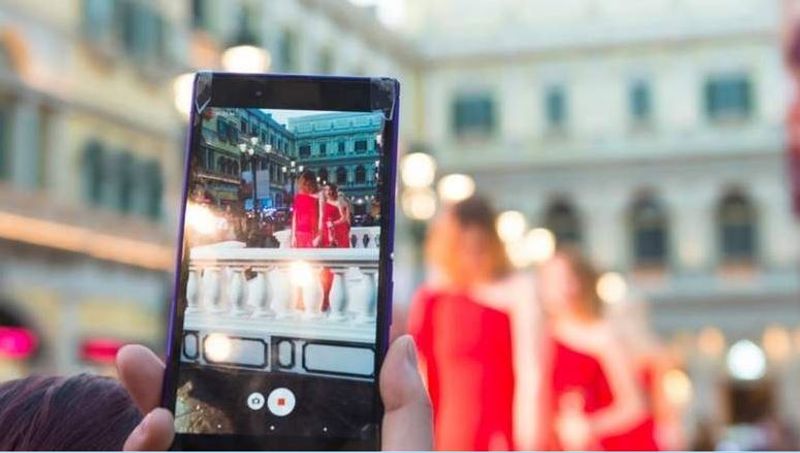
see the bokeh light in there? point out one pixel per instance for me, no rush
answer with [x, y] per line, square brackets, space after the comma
[511, 225]
[777, 343]
[217, 347]
[246, 59]
[711, 341]
[182, 87]
[746, 361]
[677, 387]
[417, 170]
[455, 187]
[539, 245]
[612, 288]
[419, 204]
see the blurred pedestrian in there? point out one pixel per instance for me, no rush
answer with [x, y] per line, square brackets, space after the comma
[82, 412]
[595, 397]
[335, 218]
[462, 321]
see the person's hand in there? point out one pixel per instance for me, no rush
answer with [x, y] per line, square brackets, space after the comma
[407, 422]
[572, 425]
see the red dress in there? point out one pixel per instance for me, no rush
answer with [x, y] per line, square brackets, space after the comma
[331, 213]
[306, 220]
[466, 348]
[577, 372]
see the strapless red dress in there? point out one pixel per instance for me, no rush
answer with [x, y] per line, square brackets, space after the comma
[466, 347]
[578, 372]
[306, 220]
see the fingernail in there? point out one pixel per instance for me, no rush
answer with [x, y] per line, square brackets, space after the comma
[411, 351]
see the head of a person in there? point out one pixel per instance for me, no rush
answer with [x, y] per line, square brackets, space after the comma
[331, 192]
[567, 285]
[463, 244]
[83, 412]
[307, 182]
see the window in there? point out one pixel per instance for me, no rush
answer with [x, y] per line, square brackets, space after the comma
[323, 149]
[360, 146]
[287, 49]
[93, 172]
[5, 142]
[154, 189]
[341, 176]
[323, 175]
[640, 102]
[555, 107]
[126, 181]
[562, 220]
[243, 125]
[341, 147]
[97, 20]
[361, 175]
[199, 14]
[728, 97]
[736, 221]
[473, 115]
[304, 150]
[649, 233]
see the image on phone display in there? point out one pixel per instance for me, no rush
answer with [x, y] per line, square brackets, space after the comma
[281, 274]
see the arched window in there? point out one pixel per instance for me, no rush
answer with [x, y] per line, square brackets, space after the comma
[649, 233]
[154, 189]
[341, 176]
[126, 181]
[562, 220]
[93, 172]
[323, 175]
[361, 175]
[736, 223]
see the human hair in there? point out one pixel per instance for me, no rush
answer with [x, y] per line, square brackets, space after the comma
[475, 218]
[83, 412]
[334, 190]
[586, 275]
[307, 182]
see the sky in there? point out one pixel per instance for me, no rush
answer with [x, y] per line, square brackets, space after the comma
[282, 116]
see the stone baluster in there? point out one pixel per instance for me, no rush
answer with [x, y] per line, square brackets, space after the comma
[281, 293]
[210, 290]
[259, 295]
[312, 296]
[338, 297]
[361, 290]
[192, 292]
[236, 292]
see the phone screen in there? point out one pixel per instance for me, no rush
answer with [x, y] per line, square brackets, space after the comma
[277, 322]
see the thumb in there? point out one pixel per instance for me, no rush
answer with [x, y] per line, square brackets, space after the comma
[154, 433]
[407, 421]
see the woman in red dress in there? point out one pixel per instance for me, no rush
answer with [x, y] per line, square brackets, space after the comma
[335, 220]
[463, 339]
[305, 212]
[595, 397]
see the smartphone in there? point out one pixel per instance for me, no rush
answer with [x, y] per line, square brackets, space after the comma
[282, 303]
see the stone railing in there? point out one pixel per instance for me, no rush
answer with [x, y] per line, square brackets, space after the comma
[260, 308]
[360, 237]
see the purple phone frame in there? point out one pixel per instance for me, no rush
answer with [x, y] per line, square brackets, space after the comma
[386, 256]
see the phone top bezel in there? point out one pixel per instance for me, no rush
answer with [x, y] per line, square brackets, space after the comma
[296, 92]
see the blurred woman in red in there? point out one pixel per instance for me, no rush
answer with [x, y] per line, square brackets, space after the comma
[460, 321]
[305, 212]
[335, 219]
[595, 398]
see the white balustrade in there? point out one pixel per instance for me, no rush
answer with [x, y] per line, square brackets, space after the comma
[277, 302]
[365, 237]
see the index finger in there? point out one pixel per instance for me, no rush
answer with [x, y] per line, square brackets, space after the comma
[141, 372]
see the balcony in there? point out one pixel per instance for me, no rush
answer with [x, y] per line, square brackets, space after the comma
[262, 309]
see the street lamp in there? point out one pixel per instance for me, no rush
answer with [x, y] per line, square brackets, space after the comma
[292, 171]
[248, 149]
[244, 55]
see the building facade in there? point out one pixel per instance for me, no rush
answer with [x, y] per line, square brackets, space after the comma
[657, 148]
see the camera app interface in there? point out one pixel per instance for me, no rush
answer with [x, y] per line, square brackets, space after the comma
[282, 238]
